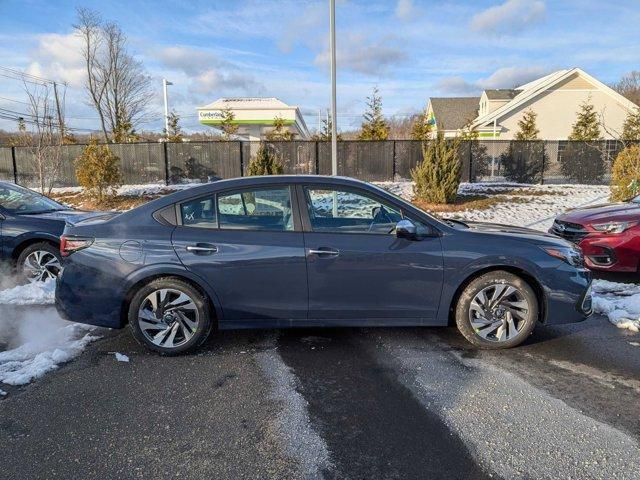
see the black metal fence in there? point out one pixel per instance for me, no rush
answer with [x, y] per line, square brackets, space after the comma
[481, 161]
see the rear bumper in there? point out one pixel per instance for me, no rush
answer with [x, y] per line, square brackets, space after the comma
[80, 299]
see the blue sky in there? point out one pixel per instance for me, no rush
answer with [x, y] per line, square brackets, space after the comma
[410, 49]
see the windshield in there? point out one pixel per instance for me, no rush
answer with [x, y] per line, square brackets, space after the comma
[17, 199]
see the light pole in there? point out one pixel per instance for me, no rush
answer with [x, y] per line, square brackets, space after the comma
[334, 117]
[166, 83]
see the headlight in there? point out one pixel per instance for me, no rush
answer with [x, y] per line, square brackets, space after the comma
[613, 227]
[571, 255]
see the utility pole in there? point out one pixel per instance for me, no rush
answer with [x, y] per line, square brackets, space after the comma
[166, 83]
[61, 126]
[334, 117]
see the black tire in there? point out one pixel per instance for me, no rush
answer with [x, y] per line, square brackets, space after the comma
[201, 303]
[45, 247]
[463, 309]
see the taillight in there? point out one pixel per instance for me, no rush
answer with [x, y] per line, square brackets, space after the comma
[68, 245]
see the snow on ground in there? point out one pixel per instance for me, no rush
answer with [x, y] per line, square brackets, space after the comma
[134, 190]
[534, 206]
[619, 302]
[31, 294]
[34, 338]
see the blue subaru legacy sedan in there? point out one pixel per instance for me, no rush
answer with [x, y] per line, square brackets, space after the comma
[30, 229]
[301, 251]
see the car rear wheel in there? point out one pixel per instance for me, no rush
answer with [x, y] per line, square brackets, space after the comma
[39, 262]
[497, 310]
[169, 316]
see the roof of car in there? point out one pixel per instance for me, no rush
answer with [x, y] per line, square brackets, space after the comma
[242, 182]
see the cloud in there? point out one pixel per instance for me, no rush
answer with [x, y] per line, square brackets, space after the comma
[303, 28]
[507, 77]
[206, 72]
[58, 57]
[456, 86]
[509, 17]
[406, 10]
[370, 57]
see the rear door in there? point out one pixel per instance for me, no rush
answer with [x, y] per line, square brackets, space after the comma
[248, 244]
[358, 268]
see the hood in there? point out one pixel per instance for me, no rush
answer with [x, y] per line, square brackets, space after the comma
[602, 213]
[523, 233]
[61, 215]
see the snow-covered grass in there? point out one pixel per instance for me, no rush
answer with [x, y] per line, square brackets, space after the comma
[533, 206]
[133, 190]
[36, 339]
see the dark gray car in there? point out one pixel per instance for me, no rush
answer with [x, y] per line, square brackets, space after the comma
[299, 251]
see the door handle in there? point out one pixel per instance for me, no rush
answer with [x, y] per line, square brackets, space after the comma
[324, 252]
[202, 249]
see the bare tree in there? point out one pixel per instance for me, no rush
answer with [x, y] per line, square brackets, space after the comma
[44, 141]
[89, 28]
[629, 86]
[117, 85]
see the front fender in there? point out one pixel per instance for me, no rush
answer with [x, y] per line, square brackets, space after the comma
[456, 275]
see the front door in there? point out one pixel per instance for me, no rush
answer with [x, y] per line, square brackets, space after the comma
[358, 268]
[249, 248]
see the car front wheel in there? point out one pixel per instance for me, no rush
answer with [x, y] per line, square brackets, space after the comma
[39, 262]
[169, 316]
[497, 310]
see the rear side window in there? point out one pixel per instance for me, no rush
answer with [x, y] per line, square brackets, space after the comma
[256, 209]
[199, 213]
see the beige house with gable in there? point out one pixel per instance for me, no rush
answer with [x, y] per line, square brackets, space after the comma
[555, 98]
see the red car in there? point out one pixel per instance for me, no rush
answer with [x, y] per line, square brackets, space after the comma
[609, 235]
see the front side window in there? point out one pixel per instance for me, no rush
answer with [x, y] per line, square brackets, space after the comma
[16, 199]
[256, 209]
[350, 212]
[199, 213]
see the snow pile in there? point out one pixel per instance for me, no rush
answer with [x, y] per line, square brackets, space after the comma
[36, 340]
[619, 302]
[39, 293]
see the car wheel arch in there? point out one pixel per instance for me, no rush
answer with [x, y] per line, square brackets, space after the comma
[525, 275]
[210, 297]
[26, 243]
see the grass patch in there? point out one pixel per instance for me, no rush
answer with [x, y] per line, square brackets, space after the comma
[468, 202]
[118, 203]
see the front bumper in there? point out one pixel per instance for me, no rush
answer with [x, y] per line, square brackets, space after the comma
[612, 253]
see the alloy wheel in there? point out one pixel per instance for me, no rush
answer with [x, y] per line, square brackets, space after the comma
[41, 265]
[499, 312]
[168, 318]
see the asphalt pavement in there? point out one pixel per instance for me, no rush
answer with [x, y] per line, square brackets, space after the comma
[335, 403]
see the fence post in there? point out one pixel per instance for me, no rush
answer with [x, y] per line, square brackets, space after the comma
[166, 163]
[241, 146]
[15, 165]
[317, 162]
[544, 145]
[471, 175]
[393, 168]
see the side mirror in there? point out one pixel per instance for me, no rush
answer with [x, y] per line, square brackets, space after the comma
[406, 229]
